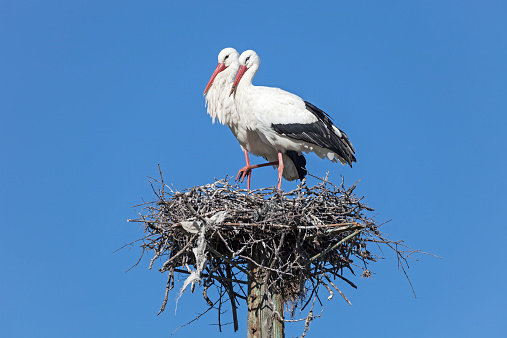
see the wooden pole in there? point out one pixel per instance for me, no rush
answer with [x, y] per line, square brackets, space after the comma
[260, 312]
[278, 323]
[254, 298]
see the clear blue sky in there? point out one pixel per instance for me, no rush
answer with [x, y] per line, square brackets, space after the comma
[95, 94]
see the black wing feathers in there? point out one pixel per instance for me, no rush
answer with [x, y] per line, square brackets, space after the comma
[299, 162]
[319, 133]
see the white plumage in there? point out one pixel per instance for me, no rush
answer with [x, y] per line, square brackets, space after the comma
[285, 121]
[221, 106]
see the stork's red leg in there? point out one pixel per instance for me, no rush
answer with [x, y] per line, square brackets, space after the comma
[242, 173]
[280, 169]
[249, 173]
[246, 170]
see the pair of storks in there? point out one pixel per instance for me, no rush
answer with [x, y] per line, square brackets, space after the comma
[270, 122]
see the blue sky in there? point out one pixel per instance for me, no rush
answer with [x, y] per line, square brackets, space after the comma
[95, 94]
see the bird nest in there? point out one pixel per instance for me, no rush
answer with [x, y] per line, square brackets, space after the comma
[303, 240]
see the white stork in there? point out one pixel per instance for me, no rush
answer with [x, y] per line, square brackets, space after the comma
[221, 106]
[285, 121]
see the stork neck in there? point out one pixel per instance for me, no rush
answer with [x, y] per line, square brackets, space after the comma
[231, 73]
[248, 76]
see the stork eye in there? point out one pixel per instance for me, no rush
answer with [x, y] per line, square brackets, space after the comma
[248, 58]
[226, 57]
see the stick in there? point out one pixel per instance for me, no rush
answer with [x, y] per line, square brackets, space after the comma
[331, 248]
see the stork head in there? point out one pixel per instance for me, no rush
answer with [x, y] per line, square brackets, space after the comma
[227, 57]
[247, 60]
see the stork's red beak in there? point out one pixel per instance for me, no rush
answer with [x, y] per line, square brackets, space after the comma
[241, 72]
[220, 67]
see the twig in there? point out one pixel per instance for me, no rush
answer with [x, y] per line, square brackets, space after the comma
[332, 247]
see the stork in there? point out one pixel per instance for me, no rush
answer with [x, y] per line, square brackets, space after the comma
[285, 121]
[222, 107]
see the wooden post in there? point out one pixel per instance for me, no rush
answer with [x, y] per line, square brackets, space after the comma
[278, 323]
[260, 312]
[253, 301]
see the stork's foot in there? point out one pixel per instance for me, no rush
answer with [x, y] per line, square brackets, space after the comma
[246, 171]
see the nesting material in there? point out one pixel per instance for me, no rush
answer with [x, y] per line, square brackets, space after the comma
[306, 240]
